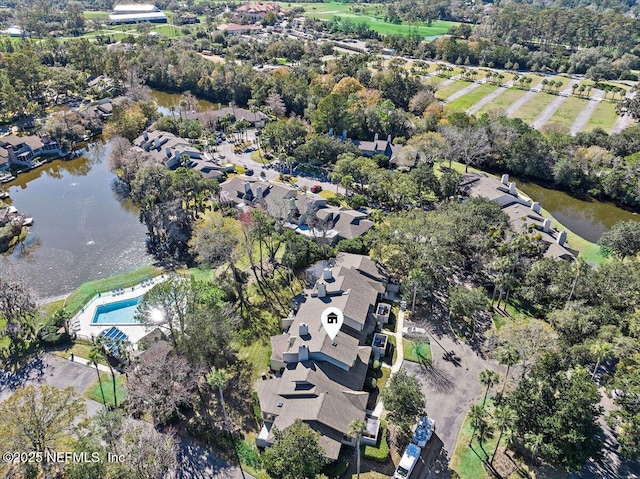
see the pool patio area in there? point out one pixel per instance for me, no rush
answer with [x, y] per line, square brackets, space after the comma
[84, 327]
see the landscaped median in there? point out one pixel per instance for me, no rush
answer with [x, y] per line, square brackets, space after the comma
[417, 351]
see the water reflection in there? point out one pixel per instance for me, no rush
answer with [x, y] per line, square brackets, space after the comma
[588, 219]
[82, 229]
[167, 100]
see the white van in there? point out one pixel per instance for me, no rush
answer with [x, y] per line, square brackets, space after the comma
[408, 462]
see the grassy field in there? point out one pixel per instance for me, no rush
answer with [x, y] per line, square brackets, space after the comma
[416, 351]
[372, 14]
[502, 101]
[93, 391]
[450, 89]
[531, 109]
[80, 349]
[569, 111]
[79, 297]
[257, 354]
[467, 101]
[604, 116]
[466, 460]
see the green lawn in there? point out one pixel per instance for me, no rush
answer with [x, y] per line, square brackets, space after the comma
[80, 349]
[604, 116]
[467, 101]
[450, 89]
[93, 391]
[465, 461]
[372, 14]
[76, 300]
[531, 109]
[569, 111]
[416, 351]
[382, 380]
[88, 14]
[4, 341]
[257, 354]
[502, 101]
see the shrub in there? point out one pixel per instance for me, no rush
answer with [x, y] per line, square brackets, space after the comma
[376, 364]
[379, 452]
[371, 382]
[249, 455]
[333, 201]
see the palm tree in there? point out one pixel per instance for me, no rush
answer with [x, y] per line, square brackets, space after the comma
[102, 349]
[545, 82]
[602, 350]
[504, 418]
[94, 357]
[489, 379]
[218, 378]
[507, 356]
[356, 428]
[573, 88]
[477, 414]
[559, 85]
[534, 442]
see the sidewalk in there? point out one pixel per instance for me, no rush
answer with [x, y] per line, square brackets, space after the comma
[88, 363]
[395, 367]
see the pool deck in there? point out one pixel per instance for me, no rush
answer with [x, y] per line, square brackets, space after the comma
[81, 322]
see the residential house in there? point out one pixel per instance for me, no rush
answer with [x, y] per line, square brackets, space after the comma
[320, 380]
[375, 147]
[20, 151]
[255, 11]
[173, 151]
[523, 212]
[306, 213]
[236, 29]
[100, 111]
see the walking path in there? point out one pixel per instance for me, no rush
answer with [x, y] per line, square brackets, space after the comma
[86, 362]
[548, 112]
[395, 367]
[515, 106]
[583, 117]
[487, 99]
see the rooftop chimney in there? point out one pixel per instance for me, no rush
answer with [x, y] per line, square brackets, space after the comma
[546, 225]
[259, 192]
[330, 131]
[247, 187]
[505, 180]
[303, 353]
[512, 188]
[389, 139]
[322, 290]
[375, 137]
[145, 135]
[303, 329]
[327, 274]
[562, 237]
[535, 207]
[167, 150]
[344, 135]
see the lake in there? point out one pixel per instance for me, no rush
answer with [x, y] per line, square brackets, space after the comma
[82, 230]
[588, 219]
[166, 100]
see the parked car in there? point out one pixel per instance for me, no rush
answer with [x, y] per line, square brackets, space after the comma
[424, 431]
[248, 172]
[407, 462]
[316, 189]
[413, 331]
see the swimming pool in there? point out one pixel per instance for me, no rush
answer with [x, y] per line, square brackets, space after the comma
[119, 312]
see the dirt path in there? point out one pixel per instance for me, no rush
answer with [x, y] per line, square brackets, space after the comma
[515, 106]
[548, 112]
[484, 101]
[583, 118]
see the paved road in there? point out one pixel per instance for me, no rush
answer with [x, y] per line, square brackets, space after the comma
[196, 460]
[583, 117]
[515, 106]
[548, 112]
[451, 387]
[487, 99]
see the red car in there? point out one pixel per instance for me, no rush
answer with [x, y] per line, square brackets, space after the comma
[316, 189]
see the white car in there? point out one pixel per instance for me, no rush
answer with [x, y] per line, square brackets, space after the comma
[413, 331]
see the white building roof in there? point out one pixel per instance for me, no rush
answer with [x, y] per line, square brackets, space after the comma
[135, 8]
[137, 17]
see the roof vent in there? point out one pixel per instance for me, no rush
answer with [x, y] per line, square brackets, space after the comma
[334, 343]
[280, 404]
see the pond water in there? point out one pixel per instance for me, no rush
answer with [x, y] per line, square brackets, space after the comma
[588, 219]
[166, 100]
[82, 230]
